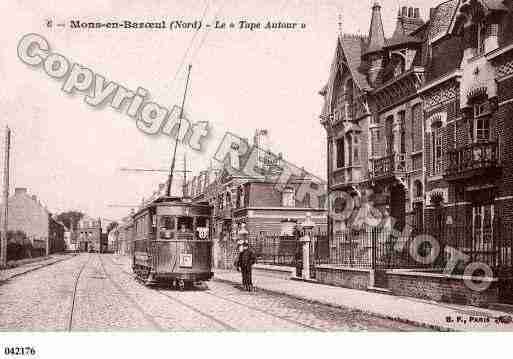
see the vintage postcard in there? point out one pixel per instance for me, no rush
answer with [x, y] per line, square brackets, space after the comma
[255, 166]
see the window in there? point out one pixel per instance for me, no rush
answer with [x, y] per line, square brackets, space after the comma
[418, 189]
[167, 225]
[375, 138]
[228, 199]
[416, 130]
[243, 196]
[399, 65]
[481, 36]
[340, 153]
[349, 149]
[483, 129]
[481, 126]
[288, 198]
[185, 224]
[389, 129]
[402, 117]
[437, 148]
[356, 150]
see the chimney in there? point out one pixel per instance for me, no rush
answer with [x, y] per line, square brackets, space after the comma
[20, 190]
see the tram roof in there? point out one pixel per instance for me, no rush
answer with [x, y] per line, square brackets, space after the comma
[169, 201]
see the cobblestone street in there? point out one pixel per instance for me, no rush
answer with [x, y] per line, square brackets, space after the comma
[97, 292]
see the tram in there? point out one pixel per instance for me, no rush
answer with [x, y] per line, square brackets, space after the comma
[172, 242]
[172, 238]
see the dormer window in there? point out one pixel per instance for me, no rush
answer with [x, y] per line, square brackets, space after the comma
[288, 197]
[399, 65]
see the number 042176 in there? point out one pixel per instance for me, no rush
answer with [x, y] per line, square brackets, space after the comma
[14, 350]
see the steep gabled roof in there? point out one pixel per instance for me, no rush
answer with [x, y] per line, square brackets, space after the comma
[353, 46]
[441, 18]
[349, 49]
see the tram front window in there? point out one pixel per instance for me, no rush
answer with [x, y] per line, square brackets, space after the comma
[167, 226]
[185, 224]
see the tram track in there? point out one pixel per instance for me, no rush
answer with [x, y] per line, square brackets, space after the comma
[231, 301]
[74, 295]
[124, 293]
[178, 301]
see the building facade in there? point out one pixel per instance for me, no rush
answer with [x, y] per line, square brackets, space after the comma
[27, 214]
[256, 198]
[417, 124]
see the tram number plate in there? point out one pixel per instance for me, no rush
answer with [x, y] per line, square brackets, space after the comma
[186, 260]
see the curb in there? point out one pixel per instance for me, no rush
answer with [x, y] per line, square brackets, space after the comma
[338, 306]
[35, 268]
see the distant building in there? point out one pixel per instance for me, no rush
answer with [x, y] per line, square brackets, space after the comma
[123, 236]
[258, 199]
[89, 232]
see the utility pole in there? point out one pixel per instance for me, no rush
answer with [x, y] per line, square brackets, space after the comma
[5, 208]
[172, 169]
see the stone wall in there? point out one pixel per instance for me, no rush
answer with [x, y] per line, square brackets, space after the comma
[343, 277]
[440, 288]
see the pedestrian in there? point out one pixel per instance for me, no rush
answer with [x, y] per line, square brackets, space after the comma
[245, 261]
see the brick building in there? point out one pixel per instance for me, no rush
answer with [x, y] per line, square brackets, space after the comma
[414, 121]
[418, 126]
[257, 199]
[27, 214]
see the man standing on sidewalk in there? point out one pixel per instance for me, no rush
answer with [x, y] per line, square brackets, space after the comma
[244, 263]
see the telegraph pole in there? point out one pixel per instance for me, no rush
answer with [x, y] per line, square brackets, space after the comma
[5, 205]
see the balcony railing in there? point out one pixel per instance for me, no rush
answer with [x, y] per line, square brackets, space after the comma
[388, 165]
[474, 157]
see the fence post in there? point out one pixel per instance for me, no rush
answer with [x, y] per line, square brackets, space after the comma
[307, 225]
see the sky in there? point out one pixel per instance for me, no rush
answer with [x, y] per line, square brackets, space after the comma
[69, 154]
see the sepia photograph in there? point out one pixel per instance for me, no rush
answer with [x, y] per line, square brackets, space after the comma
[177, 171]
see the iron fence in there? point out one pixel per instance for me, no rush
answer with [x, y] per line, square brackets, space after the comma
[275, 249]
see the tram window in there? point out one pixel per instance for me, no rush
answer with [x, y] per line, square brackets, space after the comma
[185, 224]
[167, 225]
[201, 221]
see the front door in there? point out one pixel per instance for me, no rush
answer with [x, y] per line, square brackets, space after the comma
[397, 203]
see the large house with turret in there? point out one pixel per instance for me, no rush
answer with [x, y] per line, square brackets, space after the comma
[419, 126]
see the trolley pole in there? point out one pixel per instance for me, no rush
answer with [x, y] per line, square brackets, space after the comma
[5, 204]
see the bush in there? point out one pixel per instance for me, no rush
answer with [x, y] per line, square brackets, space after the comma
[16, 251]
[18, 246]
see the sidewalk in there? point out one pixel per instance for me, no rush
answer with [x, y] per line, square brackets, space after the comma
[410, 310]
[24, 267]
